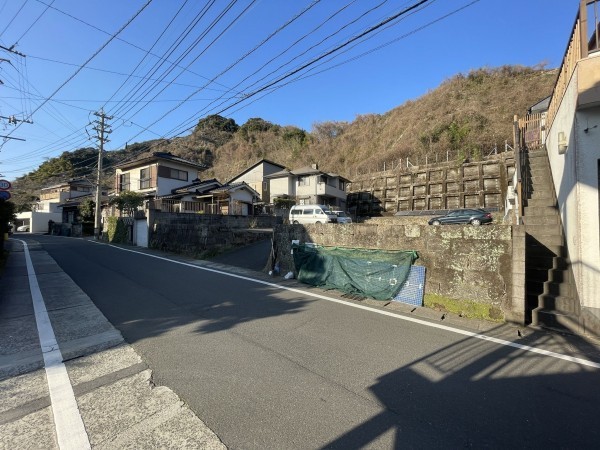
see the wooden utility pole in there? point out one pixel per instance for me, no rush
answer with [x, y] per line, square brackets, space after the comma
[102, 129]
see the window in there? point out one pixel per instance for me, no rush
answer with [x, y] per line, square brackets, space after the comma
[178, 175]
[342, 186]
[145, 180]
[303, 181]
[308, 212]
[124, 183]
[175, 174]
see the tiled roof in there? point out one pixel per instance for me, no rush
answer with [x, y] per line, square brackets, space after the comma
[159, 156]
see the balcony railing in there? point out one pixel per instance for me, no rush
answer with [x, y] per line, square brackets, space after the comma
[581, 43]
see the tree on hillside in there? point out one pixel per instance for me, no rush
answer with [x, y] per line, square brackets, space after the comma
[216, 123]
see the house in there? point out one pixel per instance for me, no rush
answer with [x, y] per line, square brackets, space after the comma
[155, 175]
[48, 208]
[558, 188]
[255, 177]
[309, 185]
[209, 197]
[572, 144]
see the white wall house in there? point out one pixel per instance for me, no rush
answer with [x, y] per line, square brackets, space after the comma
[573, 146]
[155, 175]
[47, 208]
[254, 176]
[309, 185]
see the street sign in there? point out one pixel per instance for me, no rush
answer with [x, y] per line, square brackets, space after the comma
[4, 185]
[4, 195]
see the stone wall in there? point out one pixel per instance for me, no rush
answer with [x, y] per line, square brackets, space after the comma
[194, 234]
[483, 264]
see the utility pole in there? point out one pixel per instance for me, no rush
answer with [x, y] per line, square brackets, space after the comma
[103, 129]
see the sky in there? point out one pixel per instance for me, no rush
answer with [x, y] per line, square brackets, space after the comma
[156, 67]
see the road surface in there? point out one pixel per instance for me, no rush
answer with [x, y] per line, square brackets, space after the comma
[271, 367]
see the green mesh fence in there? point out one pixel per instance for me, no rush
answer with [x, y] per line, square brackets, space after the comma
[372, 273]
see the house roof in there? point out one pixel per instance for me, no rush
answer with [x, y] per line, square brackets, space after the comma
[262, 161]
[199, 187]
[71, 182]
[231, 187]
[304, 171]
[540, 106]
[159, 156]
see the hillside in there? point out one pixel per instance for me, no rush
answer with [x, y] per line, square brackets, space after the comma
[466, 116]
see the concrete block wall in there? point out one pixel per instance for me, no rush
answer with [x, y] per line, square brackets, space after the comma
[481, 264]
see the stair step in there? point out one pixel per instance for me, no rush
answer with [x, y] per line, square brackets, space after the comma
[537, 154]
[541, 202]
[542, 220]
[552, 242]
[547, 210]
[547, 262]
[548, 288]
[559, 303]
[541, 170]
[544, 274]
[539, 193]
[555, 320]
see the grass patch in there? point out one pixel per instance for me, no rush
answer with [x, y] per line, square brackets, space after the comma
[464, 308]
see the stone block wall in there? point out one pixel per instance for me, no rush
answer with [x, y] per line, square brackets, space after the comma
[193, 234]
[483, 264]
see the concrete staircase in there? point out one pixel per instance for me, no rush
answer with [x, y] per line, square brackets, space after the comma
[551, 295]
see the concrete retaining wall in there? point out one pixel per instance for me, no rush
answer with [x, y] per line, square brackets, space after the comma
[483, 264]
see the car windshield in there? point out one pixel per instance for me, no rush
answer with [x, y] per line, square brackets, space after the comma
[341, 214]
[326, 210]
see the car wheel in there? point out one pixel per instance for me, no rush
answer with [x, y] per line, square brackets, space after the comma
[476, 222]
[295, 222]
[317, 222]
[436, 223]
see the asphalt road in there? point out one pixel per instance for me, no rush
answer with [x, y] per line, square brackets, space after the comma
[270, 368]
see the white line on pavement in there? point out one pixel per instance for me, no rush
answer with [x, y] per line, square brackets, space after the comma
[70, 431]
[471, 334]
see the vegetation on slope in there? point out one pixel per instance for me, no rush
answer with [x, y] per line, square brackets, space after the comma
[466, 117]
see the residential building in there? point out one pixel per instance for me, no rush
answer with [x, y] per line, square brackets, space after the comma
[573, 148]
[48, 208]
[309, 185]
[209, 197]
[255, 177]
[558, 176]
[155, 175]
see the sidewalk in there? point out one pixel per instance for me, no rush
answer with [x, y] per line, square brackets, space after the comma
[119, 405]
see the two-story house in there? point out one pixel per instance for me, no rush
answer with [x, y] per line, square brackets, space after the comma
[309, 185]
[49, 206]
[155, 175]
[255, 177]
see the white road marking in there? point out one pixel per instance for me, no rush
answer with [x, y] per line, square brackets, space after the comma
[471, 334]
[70, 431]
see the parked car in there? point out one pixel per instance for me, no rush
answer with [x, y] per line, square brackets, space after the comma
[311, 214]
[342, 217]
[23, 228]
[473, 216]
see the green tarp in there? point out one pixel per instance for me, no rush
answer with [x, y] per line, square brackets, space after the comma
[372, 273]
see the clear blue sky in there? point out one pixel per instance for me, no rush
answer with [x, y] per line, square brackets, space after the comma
[164, 71]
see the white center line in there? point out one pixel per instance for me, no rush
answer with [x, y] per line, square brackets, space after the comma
[527, 348]
[70, 431]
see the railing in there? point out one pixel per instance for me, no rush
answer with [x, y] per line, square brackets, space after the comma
[178, 206]
[580, 44]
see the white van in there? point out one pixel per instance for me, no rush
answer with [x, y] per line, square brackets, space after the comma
[311, 214]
